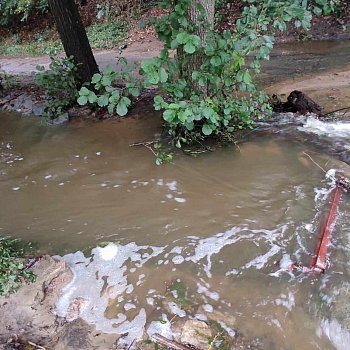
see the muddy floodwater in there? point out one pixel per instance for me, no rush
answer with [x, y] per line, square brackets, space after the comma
[223, 227]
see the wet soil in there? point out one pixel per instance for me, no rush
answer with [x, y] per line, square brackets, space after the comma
[330, 90]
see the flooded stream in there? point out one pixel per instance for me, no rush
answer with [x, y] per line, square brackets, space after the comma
[205, 238]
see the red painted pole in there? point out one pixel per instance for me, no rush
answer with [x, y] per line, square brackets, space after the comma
[319, 261]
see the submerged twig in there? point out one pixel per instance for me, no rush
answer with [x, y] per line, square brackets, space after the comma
[147, 144]
[341, 180]
[313, 161]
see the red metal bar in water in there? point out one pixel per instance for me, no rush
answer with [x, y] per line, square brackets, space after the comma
[318, 262]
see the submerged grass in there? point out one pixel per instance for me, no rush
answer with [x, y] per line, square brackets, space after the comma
[13, 271]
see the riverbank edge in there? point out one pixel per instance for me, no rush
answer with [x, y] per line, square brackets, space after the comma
[29, 320]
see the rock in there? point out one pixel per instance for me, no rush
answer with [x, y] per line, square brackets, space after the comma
[75, 308]
[38, 109]
[23, 103]
[28, 312]
[64, 118]
[228, 321]
[196, 333]
[74, 336]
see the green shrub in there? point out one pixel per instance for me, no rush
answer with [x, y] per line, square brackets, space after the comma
[20, 9]
[325, 7]
[60, 84]
[106, 93]
[13, 271]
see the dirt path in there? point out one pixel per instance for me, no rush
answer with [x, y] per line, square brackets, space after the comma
[136, 52]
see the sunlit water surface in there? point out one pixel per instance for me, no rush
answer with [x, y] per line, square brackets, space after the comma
[225, 225]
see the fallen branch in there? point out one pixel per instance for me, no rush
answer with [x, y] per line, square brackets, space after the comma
[39, 347]
[335, 111]
[172, 344]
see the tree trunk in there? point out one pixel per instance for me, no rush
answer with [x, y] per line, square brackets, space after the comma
[203, 28]
[74, 38]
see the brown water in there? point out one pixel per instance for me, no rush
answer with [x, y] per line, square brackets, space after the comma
[219, 223]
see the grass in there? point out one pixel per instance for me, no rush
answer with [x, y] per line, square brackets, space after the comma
[101, 35]
[106, 35]
[41, 43]
[13, 271]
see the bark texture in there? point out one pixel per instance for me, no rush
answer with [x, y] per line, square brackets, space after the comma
[194, 16]
[203, 28]
[73, 36]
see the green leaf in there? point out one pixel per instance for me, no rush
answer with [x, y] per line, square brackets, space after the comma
[122, 107]
[108, 70]
[215, 61]
[195, 39]
[158, 102]
[247, 79]
[169, 115]
[84, 91]
[106, 81]
[153, 77]
[134, 91]
[195, 75]
[111, 108]
[96, 78]
[163, 75]
[208, 112]
[182, 38]
[82, 100]
[206, 129]
[92, 97]
[102, 101]
[189, 48]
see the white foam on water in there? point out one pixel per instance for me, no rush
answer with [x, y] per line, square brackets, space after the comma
[323, 192]
[330, 129]
[204, 290]
[288, 301]
[178, 259]
[208, 308]
[94, 293]
[339, 336]
[260, 261]
[129, 306]
[180, 200]
[172, 185]
[150, 301]
[201, 317]
[207, 247]
[109, 252]
[176, 310]
[162, 327]
[228, 330]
